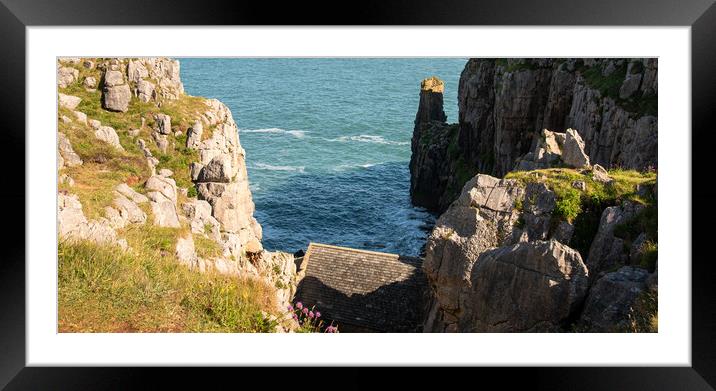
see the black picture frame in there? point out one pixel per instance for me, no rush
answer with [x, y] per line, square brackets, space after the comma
[16, 15]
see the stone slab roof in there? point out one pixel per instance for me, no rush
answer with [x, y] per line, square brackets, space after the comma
[364, 290]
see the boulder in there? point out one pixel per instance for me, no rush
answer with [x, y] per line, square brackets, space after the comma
[218, 170]
[108, 135]
[68, 154]
[607, 250]
[164, 211]
[129, 210]
[69, 101]
[573, 153]
[611, 299]
[130, 193]
[163, 124]
[539, 202]
[81, 117]
[90, 83]
[193, 135]
[185, 252]
[162, 193]
[162, 185]
[113, 78]
[136, 71]
[66, 76]
[599, 174]
[527, 287]
[72, 224]
[161, 140]
[144, 91]
[115, 94]
[165, 172]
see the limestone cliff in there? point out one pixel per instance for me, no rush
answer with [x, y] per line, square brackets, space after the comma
[504, 104]
[525, 253]
[136, 151]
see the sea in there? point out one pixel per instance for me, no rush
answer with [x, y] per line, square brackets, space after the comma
[327, 144]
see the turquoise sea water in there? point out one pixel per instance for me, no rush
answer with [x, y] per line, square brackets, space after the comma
[328, 144]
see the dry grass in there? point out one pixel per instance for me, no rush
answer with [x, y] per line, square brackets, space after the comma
[102, 289]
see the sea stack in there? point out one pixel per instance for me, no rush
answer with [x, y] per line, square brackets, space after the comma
[431, 138]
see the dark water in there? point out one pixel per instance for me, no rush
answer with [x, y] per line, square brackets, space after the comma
[328, 144]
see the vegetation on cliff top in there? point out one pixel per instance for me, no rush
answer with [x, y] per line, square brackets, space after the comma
[101, 289]
[584, 208]
[145, 289]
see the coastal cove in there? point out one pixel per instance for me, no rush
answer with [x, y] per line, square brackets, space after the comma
[327, 142]
[530, 206]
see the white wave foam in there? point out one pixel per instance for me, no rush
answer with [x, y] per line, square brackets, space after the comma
[344, 167]
[295, 133]
[269, 167]
[369, 138]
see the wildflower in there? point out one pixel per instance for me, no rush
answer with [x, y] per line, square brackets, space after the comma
[305, 310]
[290, 307]
[299, 305]
[295, 316]
[318, 314]
[310, 314]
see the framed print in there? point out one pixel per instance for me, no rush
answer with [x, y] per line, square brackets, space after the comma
[465, 184]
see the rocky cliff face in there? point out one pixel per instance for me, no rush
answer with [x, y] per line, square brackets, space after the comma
[504, 104]
[165, 159]
[525, 253]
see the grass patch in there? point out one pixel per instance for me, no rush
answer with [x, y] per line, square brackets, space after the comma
[584, 209]
[609, 86]
[206, 248]
[101, 289]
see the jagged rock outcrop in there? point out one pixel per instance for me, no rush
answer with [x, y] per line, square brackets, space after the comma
[527, 287]
[612, 298]
[553, 149]
[73, 225]
[499, 259]
[608, 250]
[67, 155]
[224, 211]
[155, 78]
[115, 93]
[221, 178]
[69, 101]
[482, 218]
[66, 76]
[107, 134]
[162, 192]
[504, 104]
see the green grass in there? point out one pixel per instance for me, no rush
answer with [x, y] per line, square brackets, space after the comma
[609, 86]
[206, 248]
[584, 209]
[102, 289]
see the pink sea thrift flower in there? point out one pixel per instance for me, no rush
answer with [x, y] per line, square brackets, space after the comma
[290, 308]
[305, 310]
[299, 305]
[318, 314]
[310, 314]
